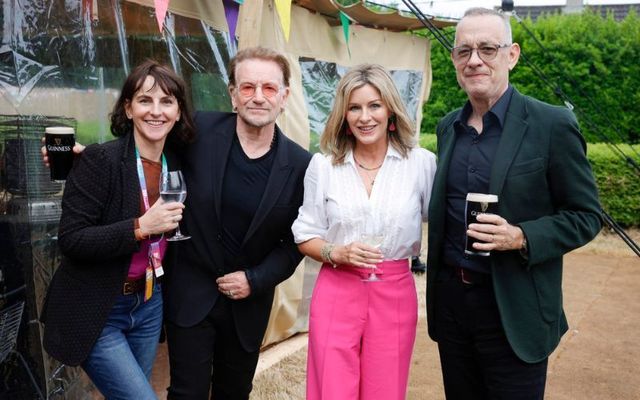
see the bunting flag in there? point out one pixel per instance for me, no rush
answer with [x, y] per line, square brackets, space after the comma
[344, 20]
[283, 7]
[161, 11]
[231, 11]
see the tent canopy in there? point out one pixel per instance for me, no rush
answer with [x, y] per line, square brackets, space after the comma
[391, 20]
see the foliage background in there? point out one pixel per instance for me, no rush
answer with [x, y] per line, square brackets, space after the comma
[592, 60]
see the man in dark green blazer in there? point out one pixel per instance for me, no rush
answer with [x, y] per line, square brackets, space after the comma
[497, 318]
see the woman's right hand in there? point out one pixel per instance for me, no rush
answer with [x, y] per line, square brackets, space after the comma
[357, 254]
[161, 217]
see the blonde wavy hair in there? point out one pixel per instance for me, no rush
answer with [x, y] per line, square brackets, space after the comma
[335, 141]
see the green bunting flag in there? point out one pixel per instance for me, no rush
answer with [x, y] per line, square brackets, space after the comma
[345, 29]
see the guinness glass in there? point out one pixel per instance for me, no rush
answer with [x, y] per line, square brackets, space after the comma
[478, 203]
[60, 141]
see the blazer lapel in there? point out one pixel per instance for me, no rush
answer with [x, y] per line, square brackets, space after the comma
[446, 144]
[515, 127]
[222, 145]
[278, 176]
[129, 178]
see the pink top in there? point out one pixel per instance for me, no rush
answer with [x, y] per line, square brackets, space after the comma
[140, 259]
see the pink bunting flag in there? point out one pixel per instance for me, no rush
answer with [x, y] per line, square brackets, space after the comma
[161, 11]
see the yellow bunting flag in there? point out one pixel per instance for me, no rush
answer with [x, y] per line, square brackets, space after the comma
[283, 7]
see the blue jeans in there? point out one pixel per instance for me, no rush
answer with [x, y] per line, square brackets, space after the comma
[121, 360]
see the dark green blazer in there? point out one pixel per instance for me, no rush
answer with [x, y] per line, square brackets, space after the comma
[544, 185]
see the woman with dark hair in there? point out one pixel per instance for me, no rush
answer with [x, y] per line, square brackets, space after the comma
[103, 309]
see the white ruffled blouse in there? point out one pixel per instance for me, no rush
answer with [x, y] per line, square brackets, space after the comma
[336, 207]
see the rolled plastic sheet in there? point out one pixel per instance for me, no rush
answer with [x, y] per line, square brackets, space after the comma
[69, 58]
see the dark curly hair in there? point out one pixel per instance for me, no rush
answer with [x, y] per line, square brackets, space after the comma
[170, 83]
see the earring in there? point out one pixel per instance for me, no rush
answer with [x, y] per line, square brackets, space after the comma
[347, 131]
[392, 125]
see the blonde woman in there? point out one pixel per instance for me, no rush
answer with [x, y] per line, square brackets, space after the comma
[365, 200]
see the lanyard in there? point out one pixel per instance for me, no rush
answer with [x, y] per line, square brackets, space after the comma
[155, 259]
[143, 182]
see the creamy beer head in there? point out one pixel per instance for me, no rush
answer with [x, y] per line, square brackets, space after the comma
[478, 203]
[59, 130]
[59, 142]
[482, 197]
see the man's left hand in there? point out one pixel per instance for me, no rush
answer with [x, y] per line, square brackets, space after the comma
[234, 285]
[495, 233]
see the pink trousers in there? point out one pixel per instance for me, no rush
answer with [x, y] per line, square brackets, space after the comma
[361, 334]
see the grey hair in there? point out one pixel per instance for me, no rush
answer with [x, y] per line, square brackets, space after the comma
[479, 11]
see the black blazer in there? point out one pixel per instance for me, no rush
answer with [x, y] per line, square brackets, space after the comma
[544, 185]
[268, 254]
[101, 200]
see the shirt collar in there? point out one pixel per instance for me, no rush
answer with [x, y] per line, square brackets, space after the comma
[391, 153]
[499, 109]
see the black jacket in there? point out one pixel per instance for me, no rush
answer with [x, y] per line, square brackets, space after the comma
[101, 200]
[268, 254]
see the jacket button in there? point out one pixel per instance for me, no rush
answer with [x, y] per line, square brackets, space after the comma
[219, 237]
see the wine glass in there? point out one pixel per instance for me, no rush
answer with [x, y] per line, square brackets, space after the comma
[374, 238]
[173, 188]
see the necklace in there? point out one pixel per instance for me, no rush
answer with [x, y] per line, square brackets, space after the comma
[366, 168]
[372, 179]
[370, 173]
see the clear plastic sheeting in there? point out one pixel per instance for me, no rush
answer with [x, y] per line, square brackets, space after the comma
[69, 58]
[63, 62]
[319, 82]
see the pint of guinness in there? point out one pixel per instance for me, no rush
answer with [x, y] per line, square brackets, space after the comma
[60, 141]
[478, 203]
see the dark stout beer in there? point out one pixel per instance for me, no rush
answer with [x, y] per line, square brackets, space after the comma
[478, 203]
[59, 141]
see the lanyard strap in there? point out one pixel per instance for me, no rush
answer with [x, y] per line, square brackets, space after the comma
[143, 182]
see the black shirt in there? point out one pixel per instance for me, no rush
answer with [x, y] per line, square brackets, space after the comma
[469, 172]
[244, 182]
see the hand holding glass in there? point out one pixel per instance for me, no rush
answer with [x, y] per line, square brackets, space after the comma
[373, 240]
[173, 188]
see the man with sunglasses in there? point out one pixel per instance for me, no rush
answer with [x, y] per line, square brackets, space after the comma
[245, 182]
[497, 318]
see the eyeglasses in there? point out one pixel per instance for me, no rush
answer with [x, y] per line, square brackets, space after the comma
[269, 90]
[486, 52]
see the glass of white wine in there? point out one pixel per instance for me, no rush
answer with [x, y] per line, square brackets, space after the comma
[173, 188]
[373, 238]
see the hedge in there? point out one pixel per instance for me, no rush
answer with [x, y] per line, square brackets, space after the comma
[618, 182]
[590, 58]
